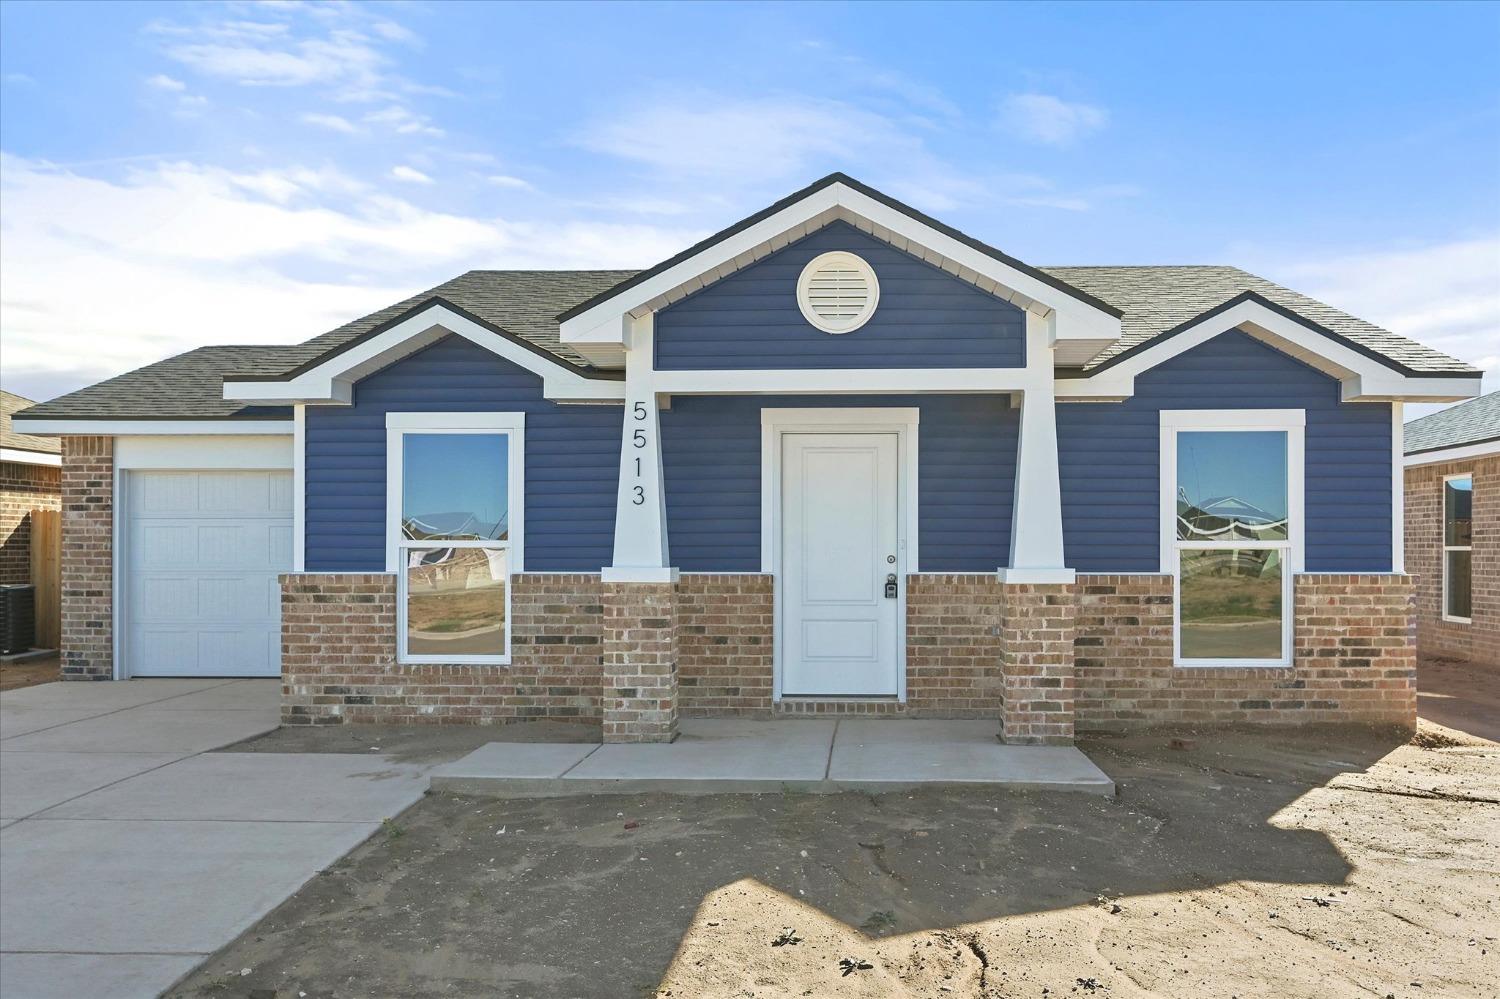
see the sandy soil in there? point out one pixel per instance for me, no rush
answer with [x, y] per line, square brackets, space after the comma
[1460, 695]
[1288, 864]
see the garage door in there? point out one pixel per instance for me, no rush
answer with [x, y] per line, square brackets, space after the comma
[202, 553]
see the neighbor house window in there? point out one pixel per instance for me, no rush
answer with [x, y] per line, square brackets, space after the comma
[1458, 547]
[1232, 532]
[454, 504]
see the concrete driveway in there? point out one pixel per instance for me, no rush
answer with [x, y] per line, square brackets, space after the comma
[129, 853]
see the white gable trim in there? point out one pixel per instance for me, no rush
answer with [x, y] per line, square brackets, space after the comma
[333, 380]
[1074, 319]
[1459, 452]
[1362, 377]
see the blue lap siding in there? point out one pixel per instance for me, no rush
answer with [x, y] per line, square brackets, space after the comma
[572, 456]
[711, 454]
[926, 317]
[1108, 455]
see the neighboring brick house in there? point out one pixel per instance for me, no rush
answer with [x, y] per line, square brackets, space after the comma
[1453, 528]
[836, 459]
[30, 476]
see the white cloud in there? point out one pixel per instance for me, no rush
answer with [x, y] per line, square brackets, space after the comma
[162, 81]
[410, 175]
[503, 180]
[102, 276]
[765, 138]
[1050, 120]
[404, 121]
[332, 122]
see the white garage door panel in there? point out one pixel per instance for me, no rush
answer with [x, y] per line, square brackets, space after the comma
[203, 550]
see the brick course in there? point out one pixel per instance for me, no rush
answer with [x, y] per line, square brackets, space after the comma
[23, 488]
[1037, 631]
[88, 470]
[1353, 659]
[725, 646]
[954, 649]
[640, 702]
[339, 656]
[1480, 639]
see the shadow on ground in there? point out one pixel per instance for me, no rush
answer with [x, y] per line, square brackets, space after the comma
[962, 892]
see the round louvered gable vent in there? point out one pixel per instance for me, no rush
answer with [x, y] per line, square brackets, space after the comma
[837, 292]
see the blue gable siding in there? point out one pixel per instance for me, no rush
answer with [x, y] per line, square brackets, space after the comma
[926, 318]
[572, 456]
[967, 466]
[1110, 464]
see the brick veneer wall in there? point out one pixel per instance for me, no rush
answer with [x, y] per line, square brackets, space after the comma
[1480, 639]
[1354, 658]
[640, 662]
[954, 649]
[88, 470]
[1037, 631]
[725, 647]
[23, 488]
[339, 656]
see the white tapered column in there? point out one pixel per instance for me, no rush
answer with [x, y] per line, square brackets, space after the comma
[1036, 531]
[641, 552]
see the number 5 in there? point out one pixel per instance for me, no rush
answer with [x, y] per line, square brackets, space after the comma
[640, 410]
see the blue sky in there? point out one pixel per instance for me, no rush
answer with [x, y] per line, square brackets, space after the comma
[183, 174]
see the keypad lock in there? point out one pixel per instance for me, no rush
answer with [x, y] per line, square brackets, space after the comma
[890, 585]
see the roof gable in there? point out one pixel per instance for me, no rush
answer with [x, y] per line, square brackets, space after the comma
[1080, 324]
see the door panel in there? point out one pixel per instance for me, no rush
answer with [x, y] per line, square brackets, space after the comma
[839, 517]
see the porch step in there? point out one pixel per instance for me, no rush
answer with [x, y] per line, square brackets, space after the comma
[802, 707]
[736, 755]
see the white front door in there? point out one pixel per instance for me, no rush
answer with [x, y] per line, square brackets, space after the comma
[202, 554]
[839, 543]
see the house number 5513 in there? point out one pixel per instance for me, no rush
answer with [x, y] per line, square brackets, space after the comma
[640, 441]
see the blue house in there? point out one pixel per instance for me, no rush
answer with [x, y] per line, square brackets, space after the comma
[838, 458]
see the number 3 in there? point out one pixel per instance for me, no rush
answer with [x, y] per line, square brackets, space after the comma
[640, 495]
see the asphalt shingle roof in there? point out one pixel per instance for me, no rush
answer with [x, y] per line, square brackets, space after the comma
[1474, 422]
[9, 403]
[1153, 300]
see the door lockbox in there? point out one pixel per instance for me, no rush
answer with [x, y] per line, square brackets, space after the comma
[890, 585]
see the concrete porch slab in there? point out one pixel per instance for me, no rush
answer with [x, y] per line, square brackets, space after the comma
[875, 755]
[718, 756]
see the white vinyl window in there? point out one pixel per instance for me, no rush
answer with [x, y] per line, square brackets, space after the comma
[1458, 548]
[1232, 527]
[454, 507]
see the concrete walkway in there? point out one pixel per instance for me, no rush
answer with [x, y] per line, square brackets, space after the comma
[729, 755]
[128, 853]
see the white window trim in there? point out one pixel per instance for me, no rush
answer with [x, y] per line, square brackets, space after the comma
[1443, 527]
[399, 424]
[903, 421]
[1291, 421]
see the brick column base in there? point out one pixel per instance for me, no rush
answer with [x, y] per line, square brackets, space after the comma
[88, 502]
[1037, 624]
[640, 662]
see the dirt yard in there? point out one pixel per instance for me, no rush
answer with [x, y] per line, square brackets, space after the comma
[28, 672]
[1281, 864]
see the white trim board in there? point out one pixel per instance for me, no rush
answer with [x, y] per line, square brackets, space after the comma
[1460, 452]
[1362, 378]
[190, 453]
[904, 422]
[332, 381]
[116, 428]
[21, 457]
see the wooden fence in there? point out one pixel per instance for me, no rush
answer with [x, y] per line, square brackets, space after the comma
[46, 576]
